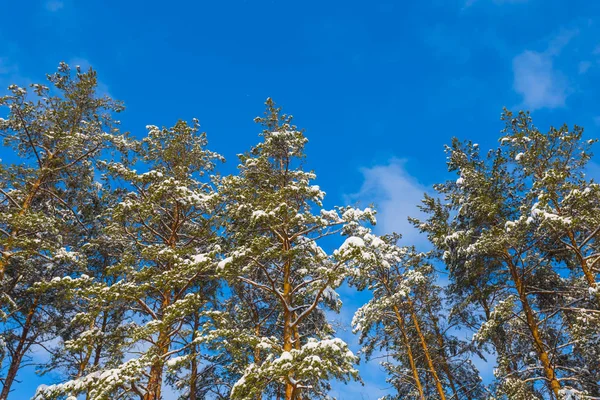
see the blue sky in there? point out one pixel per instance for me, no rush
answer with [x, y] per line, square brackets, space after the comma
[380, 86]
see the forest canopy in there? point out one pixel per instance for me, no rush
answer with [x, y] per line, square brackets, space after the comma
[139, 268]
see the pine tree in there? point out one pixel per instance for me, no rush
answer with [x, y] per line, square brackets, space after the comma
[275, 222]
[518, 239]
[90, 340]
[402, 321]
[165, 226]
[55, 137]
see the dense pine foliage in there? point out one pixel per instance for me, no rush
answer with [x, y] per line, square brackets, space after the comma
[137, 267]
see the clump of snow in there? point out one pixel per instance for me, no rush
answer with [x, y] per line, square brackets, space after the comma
[222, 264]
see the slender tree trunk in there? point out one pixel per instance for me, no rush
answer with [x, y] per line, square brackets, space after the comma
[22, 348]
[193, 376]
[533, 328]
[99, 346]
[436, 379]
[154, 389]
[287, 319]
[98, 349]
[297, 346]
[411, 359]
[587, 272]
[406, 340]
[257, 356]
[442, 353]
[194, 362]
[88, 354]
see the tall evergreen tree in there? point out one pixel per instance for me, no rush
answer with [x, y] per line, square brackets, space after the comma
[91, 339]
[55, 137]
[275, 224]
[143, 270]
[165, 226]
[517, 232]
[402, 320]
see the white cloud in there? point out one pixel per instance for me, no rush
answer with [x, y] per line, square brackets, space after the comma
[396, 195]
[559, 42]
[537, 80]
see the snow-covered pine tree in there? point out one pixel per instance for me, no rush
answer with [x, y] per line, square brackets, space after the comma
[90, 335]
[403, 320]
[275, 222]
[166, 227]
[243, 319]
[198, 374]
[55, 132]
[567, 217]
[517, 232]
[473, 291]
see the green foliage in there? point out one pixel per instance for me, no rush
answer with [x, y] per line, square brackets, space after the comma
[137, 266]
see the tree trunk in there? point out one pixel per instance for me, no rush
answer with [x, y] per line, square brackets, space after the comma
[436, 379]
[442, 353]
[98, 349]
[88, 354]
[20, 351]
[533, 328]
[411, 360]
[194, 362]
[257, 354]
[154, 388]
[193, 376]
[288, 329]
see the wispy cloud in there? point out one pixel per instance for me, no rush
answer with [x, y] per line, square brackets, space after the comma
[583, 67]
[396, 195]
[54, 5]
[536, 78]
